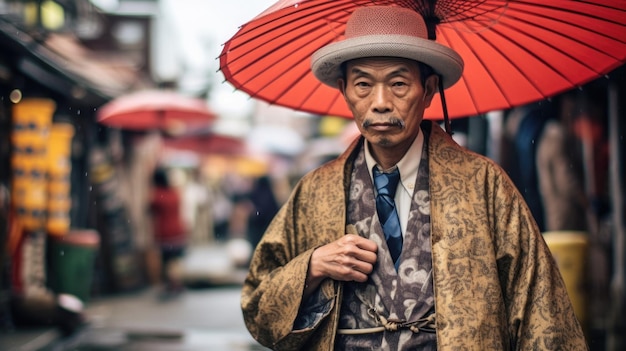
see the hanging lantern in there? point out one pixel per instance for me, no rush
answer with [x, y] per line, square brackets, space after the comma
[41, 15]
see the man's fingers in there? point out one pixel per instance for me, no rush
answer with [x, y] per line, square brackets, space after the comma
[350, 258]
[363, 267]
[359, 248]
[359, 277]
[358, 272]
[360, 242]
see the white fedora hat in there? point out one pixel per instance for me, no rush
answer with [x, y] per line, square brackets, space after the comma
[377, 31]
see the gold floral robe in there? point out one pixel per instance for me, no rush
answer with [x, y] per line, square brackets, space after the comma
[496, 284]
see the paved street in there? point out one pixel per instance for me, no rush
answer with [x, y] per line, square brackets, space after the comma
[205, 318]
[199, 319]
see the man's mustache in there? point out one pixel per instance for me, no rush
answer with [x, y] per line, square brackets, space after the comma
[392, 120]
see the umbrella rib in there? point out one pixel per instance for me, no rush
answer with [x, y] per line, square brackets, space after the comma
[295, 81]
[616, 38]
[332, 7]
[486, 67]
[563, 52]
[309, 95]
[257, 26]
[589, 3]
[581, 13]
[554, 69]
[329, 5]
[495, 81]
[259, 72]
[467, 10]
[537, 14]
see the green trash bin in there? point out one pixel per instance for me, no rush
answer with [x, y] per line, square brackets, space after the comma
[73, 262]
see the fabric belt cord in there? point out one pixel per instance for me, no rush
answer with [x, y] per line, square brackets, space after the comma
[426, 324]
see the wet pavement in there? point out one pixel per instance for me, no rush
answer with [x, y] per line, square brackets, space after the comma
[198, 319]
[205, 316]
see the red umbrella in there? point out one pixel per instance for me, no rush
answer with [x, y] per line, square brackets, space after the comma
[515, 52]
[211, 144]
[155, 109]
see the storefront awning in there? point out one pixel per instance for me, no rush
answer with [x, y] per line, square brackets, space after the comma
[60, 63]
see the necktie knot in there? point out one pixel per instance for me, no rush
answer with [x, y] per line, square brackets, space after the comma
[386, 182]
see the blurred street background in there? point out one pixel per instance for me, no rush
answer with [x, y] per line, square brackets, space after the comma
[206, 316]
[135, 181]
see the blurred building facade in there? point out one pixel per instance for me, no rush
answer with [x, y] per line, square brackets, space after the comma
[61, 61]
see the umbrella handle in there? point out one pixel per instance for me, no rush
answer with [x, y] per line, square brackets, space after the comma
[444, 107]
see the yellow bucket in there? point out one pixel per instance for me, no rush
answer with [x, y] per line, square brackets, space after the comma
[569, 249]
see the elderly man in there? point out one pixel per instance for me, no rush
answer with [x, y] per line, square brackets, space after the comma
[406, 241]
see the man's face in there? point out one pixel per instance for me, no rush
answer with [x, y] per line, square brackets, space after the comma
[387, 99]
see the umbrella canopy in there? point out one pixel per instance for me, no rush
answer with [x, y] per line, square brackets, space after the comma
[211, 144]
[155, 109]
[515, 51]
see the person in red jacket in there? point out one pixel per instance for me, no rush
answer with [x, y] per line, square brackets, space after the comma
[169, 229]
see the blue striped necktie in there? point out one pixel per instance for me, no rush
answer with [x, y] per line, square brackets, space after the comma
[386, 185]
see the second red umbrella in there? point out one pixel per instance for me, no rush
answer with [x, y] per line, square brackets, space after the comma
[155, 110]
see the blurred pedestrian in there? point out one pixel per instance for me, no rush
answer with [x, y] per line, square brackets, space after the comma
[444, 255]
[195, 211]
[548, 170]
[169, 231]
[221, 210]
[561, 177]
[264, 207]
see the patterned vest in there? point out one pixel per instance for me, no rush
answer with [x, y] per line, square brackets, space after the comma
[401, 297]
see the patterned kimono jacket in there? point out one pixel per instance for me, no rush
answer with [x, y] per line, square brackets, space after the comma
[495, 283]
[401, 296]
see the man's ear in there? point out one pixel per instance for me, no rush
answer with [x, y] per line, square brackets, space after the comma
[341, 85]
[430, 88]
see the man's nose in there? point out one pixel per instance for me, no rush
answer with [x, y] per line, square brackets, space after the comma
[381, 100]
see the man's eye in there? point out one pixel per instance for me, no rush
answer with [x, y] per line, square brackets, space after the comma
[362, 84]
[399, 84]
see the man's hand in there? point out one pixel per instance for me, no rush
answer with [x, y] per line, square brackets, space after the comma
[350, 258]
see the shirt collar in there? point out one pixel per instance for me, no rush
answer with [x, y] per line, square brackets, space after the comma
[408, 165]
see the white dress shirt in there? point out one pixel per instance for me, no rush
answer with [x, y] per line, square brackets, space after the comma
[408, 166]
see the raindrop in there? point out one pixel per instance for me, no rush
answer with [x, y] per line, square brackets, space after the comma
[296, 6]
[62, 253]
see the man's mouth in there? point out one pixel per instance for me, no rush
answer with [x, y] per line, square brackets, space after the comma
[388, 124]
